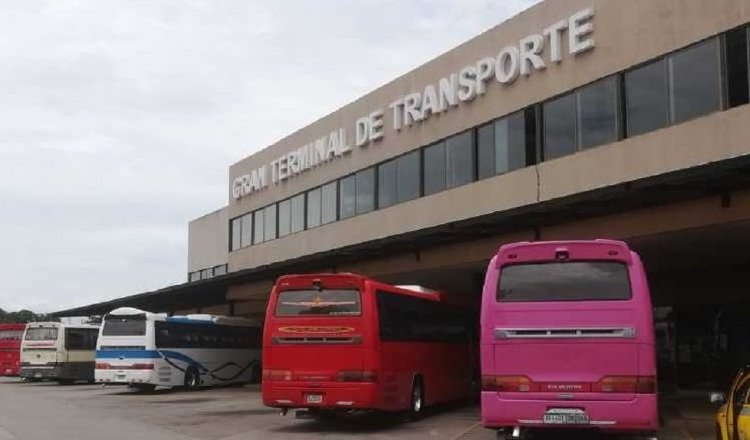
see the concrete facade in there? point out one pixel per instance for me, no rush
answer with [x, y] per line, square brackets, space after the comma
[207, 241]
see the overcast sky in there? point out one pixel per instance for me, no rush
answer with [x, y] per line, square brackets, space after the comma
[119, 119]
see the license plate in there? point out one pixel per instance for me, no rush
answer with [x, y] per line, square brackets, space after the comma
[314, 398]
[564, 416]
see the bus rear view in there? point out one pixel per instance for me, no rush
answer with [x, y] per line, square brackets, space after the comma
[567, 339]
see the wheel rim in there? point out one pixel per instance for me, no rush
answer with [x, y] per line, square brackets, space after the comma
[416, 399]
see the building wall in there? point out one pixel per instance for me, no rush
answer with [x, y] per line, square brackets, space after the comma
[208, 241]
[625, 33]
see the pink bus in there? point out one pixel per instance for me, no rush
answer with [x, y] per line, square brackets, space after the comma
[567, 340]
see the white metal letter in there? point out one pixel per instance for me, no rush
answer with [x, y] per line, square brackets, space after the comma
[554, 33]
[467, 83]
[508, 65]
[579, 35]
[531, 51]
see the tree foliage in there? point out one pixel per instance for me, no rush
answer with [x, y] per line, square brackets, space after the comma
[22, 316]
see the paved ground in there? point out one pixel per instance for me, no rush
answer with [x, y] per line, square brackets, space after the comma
[49, 411]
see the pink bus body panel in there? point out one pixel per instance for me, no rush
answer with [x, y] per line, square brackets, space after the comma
[571, 365]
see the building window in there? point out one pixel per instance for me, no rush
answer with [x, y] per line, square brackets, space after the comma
[459, 163]
[258, 235]
[647, 98]
[269, 222]
[247, 230]
[510, 143]
[348, 197]
[220, 270]
[486, 151]
[597, 113]
[236, 232]
[738, 89]
[559, 127]
[387, 184]
[298, 213]
[205, 274]
[695, 81]
[313, 208]
[365, 190]
[329, 199]
[434, 168]
[194, 276]
[285, 217]
[409, 179]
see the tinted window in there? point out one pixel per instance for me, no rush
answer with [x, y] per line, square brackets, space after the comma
[329, 203]
[510, 143]
[365, 190]
[269, 222]
[348, 192]
[647, 98]
[434, 168]
[566, 281]
[486, 151]
[737, 70]
[80, 339]
[409, 176]
[695, 81]
[194, 276]
[460, 159]
[199, 335]
[597, 104]
[41, 334]
[258, 235]
[11, 335]
[387, 184]
[131, 325]
[313, 208]
[406, 318]
[220, 270]
[236, 233]
[560, 127]
[314, 302]
[285, 217]
[298, 213]
[247, 230]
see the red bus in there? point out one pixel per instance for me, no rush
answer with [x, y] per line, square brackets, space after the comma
[344, 342]
[10, 348]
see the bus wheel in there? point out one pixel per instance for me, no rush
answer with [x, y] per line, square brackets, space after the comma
[416, 404]
[192, 378]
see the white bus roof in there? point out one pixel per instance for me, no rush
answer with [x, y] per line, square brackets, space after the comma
[59, 324]
[192, 318]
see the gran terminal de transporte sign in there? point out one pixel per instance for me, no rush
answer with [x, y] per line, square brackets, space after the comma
[529, 55]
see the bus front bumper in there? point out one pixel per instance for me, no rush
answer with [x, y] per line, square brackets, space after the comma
[329, 395]
[639, 414]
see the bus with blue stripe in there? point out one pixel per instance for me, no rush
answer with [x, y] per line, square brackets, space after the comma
[148, 350]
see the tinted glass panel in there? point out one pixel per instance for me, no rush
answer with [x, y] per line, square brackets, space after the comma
[131, 325]
[41, 334]
[510, 143]
[647, 98]
[236, 233]
[387, 194]
[460, 159]
[737, 70]
[597, 106]
[406, 318]
[329, 203]
[486, 151]
[409, 176]
[269, 222]
[80, 339]
[285, 217]
[695, 81]
[314, 302]
[348, 191]
[365, 190]
[11, 335]
[298, 213]
[313, 208]
[559, 127]
[258, 235]
[194, 276]
[568, 281]
[220, 270]
[247, 230]
[434, 168]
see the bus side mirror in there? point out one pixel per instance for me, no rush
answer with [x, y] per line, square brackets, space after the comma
[717, 397]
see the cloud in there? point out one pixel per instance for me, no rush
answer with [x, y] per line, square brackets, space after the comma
[119, 119]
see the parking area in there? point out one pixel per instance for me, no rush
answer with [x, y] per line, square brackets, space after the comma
[30, 411]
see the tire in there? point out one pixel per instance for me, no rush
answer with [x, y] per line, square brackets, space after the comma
[192, 379]
[416, 399]
[255, 373]
[502, 435]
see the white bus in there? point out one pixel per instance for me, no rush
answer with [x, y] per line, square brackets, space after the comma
[60, 352]
[146, 350]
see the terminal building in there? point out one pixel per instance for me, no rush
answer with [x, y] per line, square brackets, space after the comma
[575, 119]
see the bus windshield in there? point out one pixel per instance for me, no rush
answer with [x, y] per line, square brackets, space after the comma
[124, 325]
[41, 334]
[564, 281]
[319, 303]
